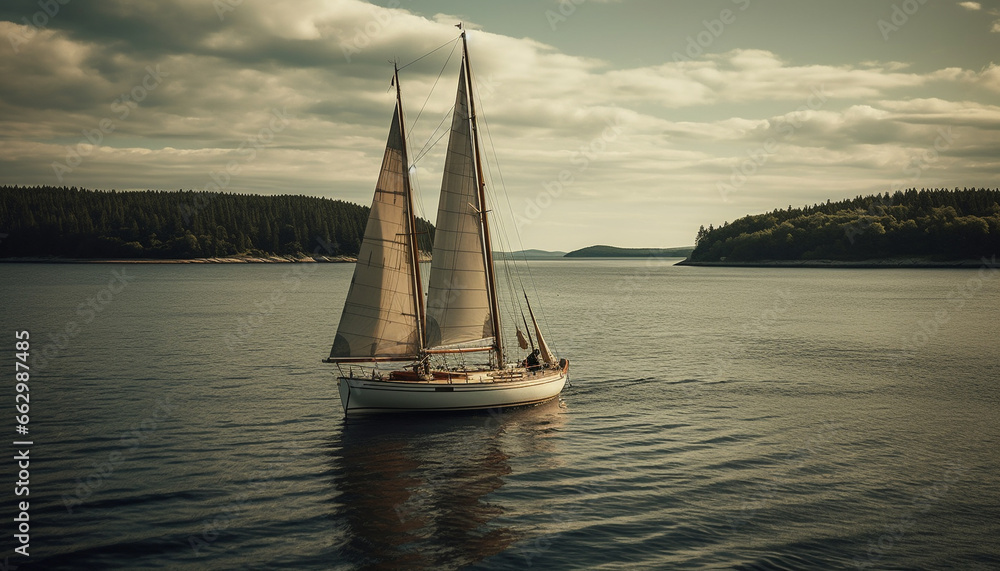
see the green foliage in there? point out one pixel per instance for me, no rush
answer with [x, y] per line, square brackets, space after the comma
[937, 224]
[79, 223]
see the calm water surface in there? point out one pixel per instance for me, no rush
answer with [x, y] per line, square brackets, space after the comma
[717, 418]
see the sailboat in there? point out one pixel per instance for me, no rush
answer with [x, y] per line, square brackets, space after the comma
[451, 341]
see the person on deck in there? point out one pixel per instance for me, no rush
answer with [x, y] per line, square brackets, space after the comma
[532, 361]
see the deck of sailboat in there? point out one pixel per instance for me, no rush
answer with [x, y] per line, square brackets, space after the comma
[474, 390]
[453, 377]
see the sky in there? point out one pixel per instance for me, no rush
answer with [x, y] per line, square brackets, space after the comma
[621, 122]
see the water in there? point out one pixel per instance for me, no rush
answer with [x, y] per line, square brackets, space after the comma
[717, 418]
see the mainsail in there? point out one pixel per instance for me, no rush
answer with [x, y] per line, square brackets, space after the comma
[380, 319]
[458, 302]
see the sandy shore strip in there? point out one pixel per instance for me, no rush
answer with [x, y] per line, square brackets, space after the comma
[884, 263]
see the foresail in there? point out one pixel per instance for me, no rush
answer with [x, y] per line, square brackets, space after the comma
[543, 347]
[380, 315]
[458, 305]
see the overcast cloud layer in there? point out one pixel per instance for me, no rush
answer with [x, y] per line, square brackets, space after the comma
[619, 122]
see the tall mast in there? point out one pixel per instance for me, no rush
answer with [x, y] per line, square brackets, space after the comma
[487, 247]
[418, 287]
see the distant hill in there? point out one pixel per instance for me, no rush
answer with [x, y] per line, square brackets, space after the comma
[935, 225]
[614, 252]
[79, 223]
[530, 254]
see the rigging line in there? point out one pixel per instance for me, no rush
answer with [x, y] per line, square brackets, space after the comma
[512, 300]
[508, 261]
[507, 292]
[412, 172]
[501, 226]
[527, 267]
[430, 144]
[527, 331]
[430, 52]
[509, 206]
[414, 183]
[504, 244]
[417, 198]
[440, 73]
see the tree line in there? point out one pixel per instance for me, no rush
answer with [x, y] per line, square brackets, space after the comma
[72, 222]
[615, 252]
[938, 224]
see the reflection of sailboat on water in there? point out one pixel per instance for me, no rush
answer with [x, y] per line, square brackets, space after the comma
[417, 495]
[385, 318]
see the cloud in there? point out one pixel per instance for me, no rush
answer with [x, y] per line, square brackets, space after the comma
[744, 75]
[976, 7]
[661, 133]
[988, 79]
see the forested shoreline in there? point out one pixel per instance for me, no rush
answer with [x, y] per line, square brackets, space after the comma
[603, 251]
[935, 225]
[58, 222]
[79, 223]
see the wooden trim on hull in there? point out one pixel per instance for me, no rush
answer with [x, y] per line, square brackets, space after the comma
[372, 410]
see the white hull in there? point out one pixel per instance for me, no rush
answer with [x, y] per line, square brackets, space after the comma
[359, 395]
